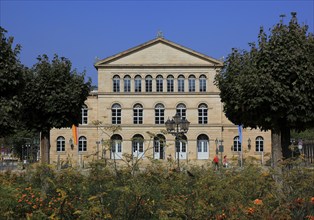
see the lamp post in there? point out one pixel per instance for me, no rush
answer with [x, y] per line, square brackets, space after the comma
[103, 151]
[97, 143]
[177, 127]
[219, 148]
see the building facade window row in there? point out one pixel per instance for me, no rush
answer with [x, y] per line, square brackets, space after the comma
[82, 144]
[159, 147]
[237, 145]
[138, 113]
[161, 84]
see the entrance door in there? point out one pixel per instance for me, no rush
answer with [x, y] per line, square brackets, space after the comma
[202, 147]
[181, 147]
[159, 143]
[116, 150]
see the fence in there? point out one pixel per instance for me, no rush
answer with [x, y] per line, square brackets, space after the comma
[308, 151]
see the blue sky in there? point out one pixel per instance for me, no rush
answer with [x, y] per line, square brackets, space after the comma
[84, 30]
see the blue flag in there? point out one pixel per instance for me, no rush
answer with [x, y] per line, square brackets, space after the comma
[240, 133]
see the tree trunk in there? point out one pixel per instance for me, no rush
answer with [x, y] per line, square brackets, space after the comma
[45, 147]
[276, 148]
[285, 142]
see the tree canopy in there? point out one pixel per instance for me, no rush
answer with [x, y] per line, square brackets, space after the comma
[271, 85]
[11, 84]
[53, 97]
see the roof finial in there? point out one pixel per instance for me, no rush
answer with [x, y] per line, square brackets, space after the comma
[160, 34]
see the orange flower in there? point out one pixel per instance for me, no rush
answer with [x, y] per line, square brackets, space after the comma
[310, 217]
[258, 202]
[312, 200]
[250, 211]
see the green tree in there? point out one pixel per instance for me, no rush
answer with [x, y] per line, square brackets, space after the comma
[11, 84]
[271, 86]
[53, 98]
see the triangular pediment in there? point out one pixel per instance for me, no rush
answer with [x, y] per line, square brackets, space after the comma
[158, 52]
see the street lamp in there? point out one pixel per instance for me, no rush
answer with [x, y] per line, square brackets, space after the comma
[300, 145]
[249, 143]
[71, 143]
[177, 126]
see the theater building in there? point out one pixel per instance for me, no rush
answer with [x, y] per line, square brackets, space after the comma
[138, 91]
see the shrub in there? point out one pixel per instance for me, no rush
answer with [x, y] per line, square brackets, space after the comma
[159, 192]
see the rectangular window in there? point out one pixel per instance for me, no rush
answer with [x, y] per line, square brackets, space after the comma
[82, 146]
[127, 85]
[138, 85]
[159, 116]
[84, 118]
[149, 85]
[180, 85]
[138, 116]
[170, 86]
[259, 146]
[192, 85]
[159, 85]
[116, 85]
[116, 116]
[60, 146]
[202, 116]
[203, 85]
[236, 145]
[182, 113]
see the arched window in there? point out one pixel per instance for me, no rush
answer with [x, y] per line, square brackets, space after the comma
[84, 115]
[116, 84]
[192, 83]
[181, 83]
[202, 147]
[82, 144]
[236, 144]
[202, 114]
[127, 83]
[259, 144]
[116, 147]
[138, 146]
[116, 114]
[181, 110]
[138, 114]
[159, 114]
[138, 83]
[159, 83]
[159, 146]
[60, 144]
[181, 147]
[149, 83]
[170, 83]
[202, 83]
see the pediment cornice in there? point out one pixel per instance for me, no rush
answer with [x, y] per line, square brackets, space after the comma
[108, 62]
